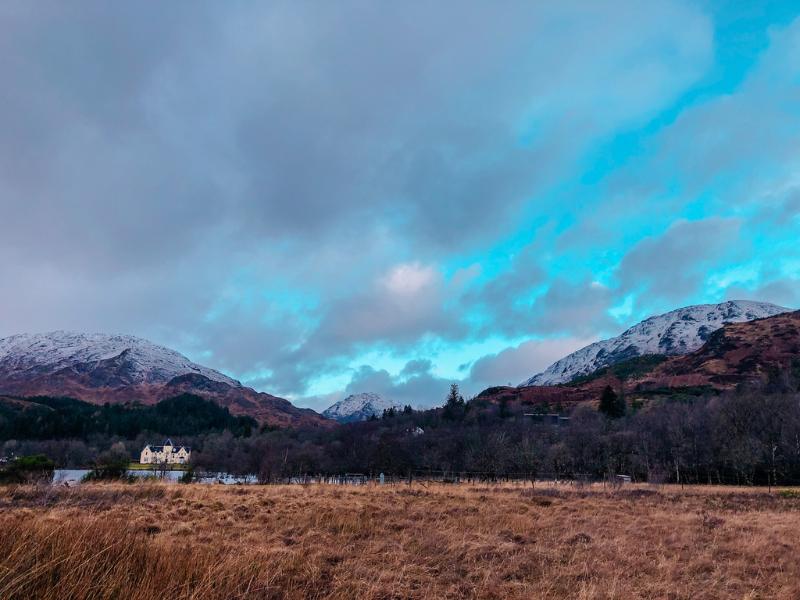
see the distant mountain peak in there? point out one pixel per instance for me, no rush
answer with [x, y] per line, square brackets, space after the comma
[359, 407]
[677, 332]
[47, 353]
[100, 368]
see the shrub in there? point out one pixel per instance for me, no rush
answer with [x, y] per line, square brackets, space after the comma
[789, 494]
[188, 476]
[28, 469]
[112, 464]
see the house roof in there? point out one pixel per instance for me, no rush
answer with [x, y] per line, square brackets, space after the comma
[175, 449]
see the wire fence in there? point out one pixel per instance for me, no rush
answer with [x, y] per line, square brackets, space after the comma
[447, 477]
[532, 479]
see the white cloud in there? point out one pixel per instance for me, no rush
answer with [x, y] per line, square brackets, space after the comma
[408, 281]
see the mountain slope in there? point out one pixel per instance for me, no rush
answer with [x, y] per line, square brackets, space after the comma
[674, 333]
[100, 368]
[359, 407]
[133, 360]
[765, 351]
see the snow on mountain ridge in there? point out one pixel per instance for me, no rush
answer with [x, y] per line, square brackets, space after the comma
[677, 332]
[359, 407]
[47, 353]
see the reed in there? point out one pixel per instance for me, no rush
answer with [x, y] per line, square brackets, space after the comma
[145, 541]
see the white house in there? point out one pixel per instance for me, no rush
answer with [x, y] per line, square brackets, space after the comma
[168, 453]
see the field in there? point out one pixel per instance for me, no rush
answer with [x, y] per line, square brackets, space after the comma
[149, 541]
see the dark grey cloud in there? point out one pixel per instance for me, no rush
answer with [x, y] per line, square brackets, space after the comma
[675, 265]
[418, 366]
[187, 171]
[421, 389]
[302, 119]
[579, 309]
[527, 301]
[783, 292]
[779, 210]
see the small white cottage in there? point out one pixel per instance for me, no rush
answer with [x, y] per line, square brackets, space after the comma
[168, 453]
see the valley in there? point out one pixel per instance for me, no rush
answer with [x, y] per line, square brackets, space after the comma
[725, 413]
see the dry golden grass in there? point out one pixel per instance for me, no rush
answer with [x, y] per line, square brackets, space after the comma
[154, 541]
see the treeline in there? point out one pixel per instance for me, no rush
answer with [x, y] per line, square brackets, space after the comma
[45, 418]
[745, 438]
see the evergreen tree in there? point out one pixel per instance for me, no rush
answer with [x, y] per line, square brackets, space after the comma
[454, 406]
[454, 398]
[504, 411]
[611, 404]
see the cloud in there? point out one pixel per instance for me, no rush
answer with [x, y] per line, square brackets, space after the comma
[783, 292]
[519, 363]
[564, 307]
[513, 285]
[674, 265]
[704, 198]
[572, 308]
[418, 388]
[715, 143]
[416, 367]
[237, 122]
[401, 306]
[277, 189]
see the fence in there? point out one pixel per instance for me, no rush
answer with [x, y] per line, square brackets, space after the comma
[449, 477]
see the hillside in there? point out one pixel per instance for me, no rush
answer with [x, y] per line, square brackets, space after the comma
[100, 368]
[764, 352]
[43, 418]
[674, 333]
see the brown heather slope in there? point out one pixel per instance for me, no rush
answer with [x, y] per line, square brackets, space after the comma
[100, 368]
[240, 400]
[201, 542]
[550, 395]
[754, 352]
[740, 353]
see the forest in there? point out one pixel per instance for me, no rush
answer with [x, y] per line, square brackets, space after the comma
[749, 436]
[738, 438]
[43, 418]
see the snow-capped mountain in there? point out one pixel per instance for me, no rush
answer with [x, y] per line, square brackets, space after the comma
[359, 407]
[139, 360]
[674, 333]
[102, 368]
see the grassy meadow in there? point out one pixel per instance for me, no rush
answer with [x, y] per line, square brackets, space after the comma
[150, 540]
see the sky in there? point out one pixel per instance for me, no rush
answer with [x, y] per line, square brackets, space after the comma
[322, 198]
